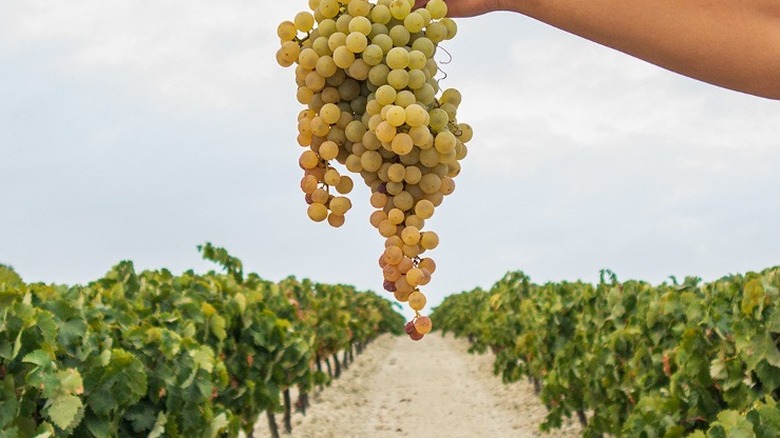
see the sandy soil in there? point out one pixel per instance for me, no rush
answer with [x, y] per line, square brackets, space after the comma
[432, 388]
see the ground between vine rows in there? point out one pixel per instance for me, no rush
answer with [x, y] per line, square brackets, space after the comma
[429, 388]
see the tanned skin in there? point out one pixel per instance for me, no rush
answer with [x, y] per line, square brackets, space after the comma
[733, 44]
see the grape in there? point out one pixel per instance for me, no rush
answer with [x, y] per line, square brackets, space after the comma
[287, 31]
[409, 328]
[416, 299]
[366, 73]
[317, 212]
[304, 21]
[423, 325]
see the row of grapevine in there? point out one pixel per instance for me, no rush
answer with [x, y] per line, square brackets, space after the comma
[631, 359]
[155, 354]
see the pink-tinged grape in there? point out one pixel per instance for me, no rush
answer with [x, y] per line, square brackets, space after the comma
[336, 220]
[309, 184]
[423, 324]
[320, 195]
[308, 160]
[416, 336]
[409, 328]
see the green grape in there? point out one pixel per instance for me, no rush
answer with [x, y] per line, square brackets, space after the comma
[325, 66]
[437, 8]
[326, 27]
[385, 131]
[380, 14]
[359, 70]
[336, 40]
[395, 115]
[328, 8]
[361, 25]
[384, 41]
[329, 150]
[402, 143]
[412, 176]
[399, 9]
[342, 23]
[343, 57]
[304, 21]
[377, 75]
[398, 78]
[359, 8]
[451, 96]
[385, 95]
[397, 58]
[371, 160]
[405, 98]
[416, 115]
[356, 42]
[399, 35]
[436, 32]
[414, 22]
[332, 176]
[452, 27]
[445, 142]
[424, 46]
[396, 172]
[321, 46]
[373, 54]
[286, 31]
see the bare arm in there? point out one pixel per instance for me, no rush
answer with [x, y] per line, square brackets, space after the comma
[730, 43]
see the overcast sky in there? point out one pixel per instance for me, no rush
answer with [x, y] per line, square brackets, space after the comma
[138, 130]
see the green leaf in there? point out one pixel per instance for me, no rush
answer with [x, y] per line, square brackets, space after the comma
[217, 424]
[70, 381]
[217, 325]
[753, 296]
[735, 425]
[241, 300]
[38, 357]
[159, 426]
[63, 410]
[45, 430]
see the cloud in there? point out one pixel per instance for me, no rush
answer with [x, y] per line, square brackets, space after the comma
[202, 53]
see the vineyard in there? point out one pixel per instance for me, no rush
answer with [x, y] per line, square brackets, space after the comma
[154, 354]
[631, 359]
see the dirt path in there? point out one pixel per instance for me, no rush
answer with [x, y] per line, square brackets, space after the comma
[431, 388]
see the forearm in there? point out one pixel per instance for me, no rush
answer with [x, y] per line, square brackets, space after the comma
[730, 43]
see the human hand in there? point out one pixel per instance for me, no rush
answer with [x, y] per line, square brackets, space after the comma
[465, 8]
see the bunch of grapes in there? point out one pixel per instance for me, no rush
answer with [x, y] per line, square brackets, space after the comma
[367, 75]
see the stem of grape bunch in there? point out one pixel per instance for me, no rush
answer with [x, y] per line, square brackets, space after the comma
[366, 74]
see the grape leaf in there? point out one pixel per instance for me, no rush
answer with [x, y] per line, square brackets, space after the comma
[159, 426]
[63, 410]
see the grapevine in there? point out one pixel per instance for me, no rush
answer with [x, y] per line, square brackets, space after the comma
[367, 75]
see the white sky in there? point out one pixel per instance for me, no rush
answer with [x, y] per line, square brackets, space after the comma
[137, 130]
